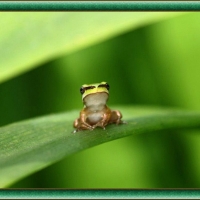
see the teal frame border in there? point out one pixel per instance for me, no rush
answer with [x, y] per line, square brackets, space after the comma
[99, 6]
[99, 193]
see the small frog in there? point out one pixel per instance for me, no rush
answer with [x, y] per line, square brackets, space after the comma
[95, 112]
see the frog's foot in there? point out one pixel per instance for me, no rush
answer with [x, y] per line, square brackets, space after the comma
[74, 131]
[100, 124]
[77, 130]
[120, 122]
[83, 127]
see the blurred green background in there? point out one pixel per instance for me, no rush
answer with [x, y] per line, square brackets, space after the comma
[154, 64]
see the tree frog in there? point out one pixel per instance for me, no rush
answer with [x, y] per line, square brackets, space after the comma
[95, 112]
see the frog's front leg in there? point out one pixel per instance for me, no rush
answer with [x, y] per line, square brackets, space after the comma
[81, 124]
[105, 118]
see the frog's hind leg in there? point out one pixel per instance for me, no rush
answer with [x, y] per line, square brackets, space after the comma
[76, 123]
[79, 126]
[116, 117]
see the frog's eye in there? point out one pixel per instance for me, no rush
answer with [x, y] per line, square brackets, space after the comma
[82, 90]
[105, 86]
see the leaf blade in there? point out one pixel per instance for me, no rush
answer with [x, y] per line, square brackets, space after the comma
[33, 144]
[27, 40]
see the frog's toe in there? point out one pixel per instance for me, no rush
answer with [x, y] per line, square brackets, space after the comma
[74, 131]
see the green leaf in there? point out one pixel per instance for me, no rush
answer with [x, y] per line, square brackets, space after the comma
[29, 39]
[31, 145]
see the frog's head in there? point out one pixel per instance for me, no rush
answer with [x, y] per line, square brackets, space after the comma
[95, 93]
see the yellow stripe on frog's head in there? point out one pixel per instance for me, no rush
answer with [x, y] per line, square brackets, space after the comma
[94, 88]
